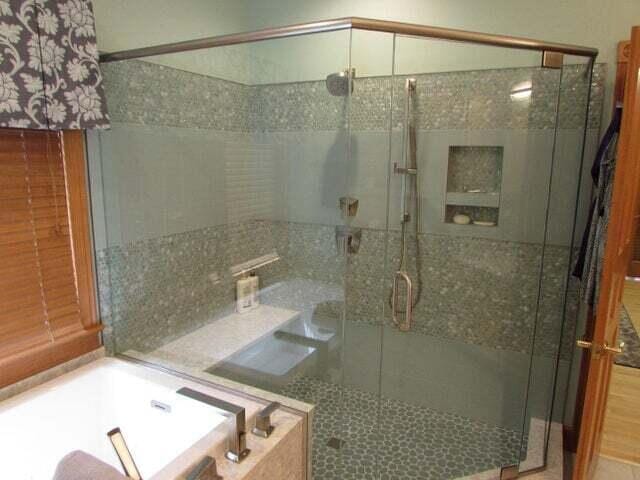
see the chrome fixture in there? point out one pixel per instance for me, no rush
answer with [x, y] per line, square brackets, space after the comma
[206, 469]
[405, 325]
[165, 407]
[253, 264]
[347, 239]
[552, 59]
[349, 206]
[236, 440]
[410, 217]
[404, 170]
[124, 455]
[346, 24]
[341, 84]
[263, 427]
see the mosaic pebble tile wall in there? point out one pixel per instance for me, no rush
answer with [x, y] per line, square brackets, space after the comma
[474, 168]
[156, 290]
[475, 290]
[150, 94]
[482, 291]
[445, 101]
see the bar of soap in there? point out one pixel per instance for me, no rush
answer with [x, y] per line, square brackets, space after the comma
[461, 219]
[484, 224]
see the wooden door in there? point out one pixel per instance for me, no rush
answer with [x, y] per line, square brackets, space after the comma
[634, 264]
[620, 234]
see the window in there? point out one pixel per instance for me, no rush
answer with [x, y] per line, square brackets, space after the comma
[47, 300]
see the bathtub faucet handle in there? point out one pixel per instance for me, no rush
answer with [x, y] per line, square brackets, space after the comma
[205, 469]
[263, 427]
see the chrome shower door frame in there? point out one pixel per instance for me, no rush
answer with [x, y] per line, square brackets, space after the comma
[348, 23]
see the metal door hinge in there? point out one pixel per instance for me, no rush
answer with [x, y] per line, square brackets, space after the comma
[552, 59]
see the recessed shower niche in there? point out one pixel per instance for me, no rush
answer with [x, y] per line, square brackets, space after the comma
[474, 177]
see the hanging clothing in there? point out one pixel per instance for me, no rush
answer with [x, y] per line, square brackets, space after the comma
[589, 264]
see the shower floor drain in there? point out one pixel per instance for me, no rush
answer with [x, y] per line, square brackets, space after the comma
[335, 442]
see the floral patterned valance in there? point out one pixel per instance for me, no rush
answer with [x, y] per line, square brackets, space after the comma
[49, 73]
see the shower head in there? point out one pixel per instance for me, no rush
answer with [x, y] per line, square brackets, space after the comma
[338, 83]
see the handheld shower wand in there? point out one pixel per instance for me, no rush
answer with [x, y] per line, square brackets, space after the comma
[410, 216]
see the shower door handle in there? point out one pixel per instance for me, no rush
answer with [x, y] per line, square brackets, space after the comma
[404, 326]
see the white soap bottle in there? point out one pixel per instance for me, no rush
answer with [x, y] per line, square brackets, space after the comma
[244, 298]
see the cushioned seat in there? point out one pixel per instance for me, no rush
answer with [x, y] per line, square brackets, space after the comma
[79, 465]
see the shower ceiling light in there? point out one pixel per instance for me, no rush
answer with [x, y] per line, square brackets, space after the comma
[521, 91]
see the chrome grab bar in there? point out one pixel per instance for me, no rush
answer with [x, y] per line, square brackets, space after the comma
[404, 326]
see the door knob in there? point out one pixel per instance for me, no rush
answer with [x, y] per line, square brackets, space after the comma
[584, 344]
[614, 350]
[597, 349]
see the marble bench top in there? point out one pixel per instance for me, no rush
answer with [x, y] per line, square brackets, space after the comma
[225, 336]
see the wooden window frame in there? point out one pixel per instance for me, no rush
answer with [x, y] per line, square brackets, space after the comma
[19, 366]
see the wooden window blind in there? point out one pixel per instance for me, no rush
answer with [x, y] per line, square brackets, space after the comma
[45, 256]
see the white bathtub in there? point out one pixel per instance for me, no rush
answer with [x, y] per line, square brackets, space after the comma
[75, 412]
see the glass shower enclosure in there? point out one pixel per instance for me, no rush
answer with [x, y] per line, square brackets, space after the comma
[371, 217]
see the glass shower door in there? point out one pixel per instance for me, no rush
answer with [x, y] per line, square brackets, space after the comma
[471, 157]
[226, 168]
